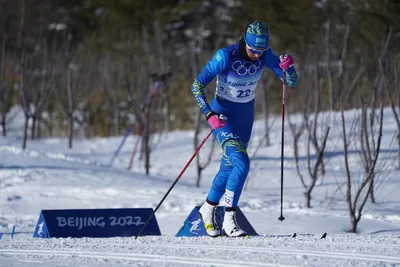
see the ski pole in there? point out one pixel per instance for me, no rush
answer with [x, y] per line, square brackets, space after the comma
[173, 184]
[139, 137]
[281, 218]
[144, 110]
[120, 146]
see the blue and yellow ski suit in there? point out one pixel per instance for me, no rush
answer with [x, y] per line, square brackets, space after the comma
[237, 78]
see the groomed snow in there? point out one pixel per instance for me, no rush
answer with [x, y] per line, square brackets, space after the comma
[48, 175]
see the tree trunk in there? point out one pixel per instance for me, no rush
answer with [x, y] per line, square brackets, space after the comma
[199, 171]
[307, 196]
[70, 130]
[25, 132]
[3, 125]
[328, 47]
[2, 89]
[146, 139]
[38, 126]
[353, 223]
[33, 127]
[397, 85]
[371, 191]
[167, 105]
[146, 144]
[398, 149]
[71, 107]
[199, 168]
[266, 113]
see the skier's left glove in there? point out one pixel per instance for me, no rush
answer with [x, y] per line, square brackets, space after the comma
[286, 61]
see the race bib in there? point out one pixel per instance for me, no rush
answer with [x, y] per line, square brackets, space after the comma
[239, 84]
[240, 92]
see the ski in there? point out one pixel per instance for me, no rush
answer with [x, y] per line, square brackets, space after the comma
[232, 237]
[294, 235]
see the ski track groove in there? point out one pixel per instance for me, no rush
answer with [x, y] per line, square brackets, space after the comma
[338, 255]
[140, 257]
[217, 262]
[333, 243]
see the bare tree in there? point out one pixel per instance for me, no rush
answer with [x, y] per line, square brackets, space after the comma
[46, 83]
[71, 88]
[314, 163]
[317, 135]
[196, 50]
[328, 48]
[164, 74]
[113, 98]
[393, 105]
[390, 77]
[380, 81]
[370, 148]
[6, 91]
[22, 75]
[297, 132]
[75, 96]
[152, 116]
[255, 150]
[150, 110]
[265, 85]
[36, 72]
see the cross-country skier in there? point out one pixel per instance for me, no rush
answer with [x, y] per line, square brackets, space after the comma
[238, 69]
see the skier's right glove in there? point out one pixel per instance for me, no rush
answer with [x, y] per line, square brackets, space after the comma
[216, 120]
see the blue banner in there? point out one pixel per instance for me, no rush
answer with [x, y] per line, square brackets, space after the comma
[95, 223]
[194, 226]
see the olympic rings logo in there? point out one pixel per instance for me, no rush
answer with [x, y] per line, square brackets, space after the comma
[243, 68]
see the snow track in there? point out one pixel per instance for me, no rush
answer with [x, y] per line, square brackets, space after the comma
[136, 258]
[171, 251]
[293, 252]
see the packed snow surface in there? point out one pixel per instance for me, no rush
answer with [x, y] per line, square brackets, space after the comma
[49, 175]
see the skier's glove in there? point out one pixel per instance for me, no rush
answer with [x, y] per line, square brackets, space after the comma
[286, 61]
[216, 120]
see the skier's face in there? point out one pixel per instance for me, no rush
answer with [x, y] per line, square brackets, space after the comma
[254, 54]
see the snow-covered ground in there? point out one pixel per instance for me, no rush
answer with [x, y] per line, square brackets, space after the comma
[48, 175]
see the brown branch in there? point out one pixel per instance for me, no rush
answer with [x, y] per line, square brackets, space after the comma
[346, 163]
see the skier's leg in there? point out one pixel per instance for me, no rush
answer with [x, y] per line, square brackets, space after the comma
[235, 149]
[217, 190]
[235, 164]
[229, 181]
[240, 161]
[218, 186]
[241, 165]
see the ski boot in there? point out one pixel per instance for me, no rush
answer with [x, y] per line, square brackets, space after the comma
[230, 227]
[207, 214]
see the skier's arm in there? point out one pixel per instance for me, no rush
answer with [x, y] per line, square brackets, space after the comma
[215, 66]
[273, 63]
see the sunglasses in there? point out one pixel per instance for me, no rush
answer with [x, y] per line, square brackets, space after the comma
[256, 51]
